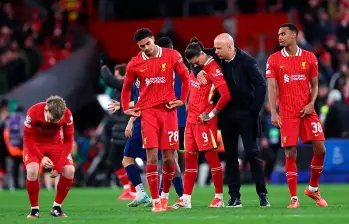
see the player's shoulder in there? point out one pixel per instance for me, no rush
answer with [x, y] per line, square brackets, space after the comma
[134, 60]
[36, 108]
[211, 65]
[68, 117]
[275, 56]
[307, 54]
[169, 52]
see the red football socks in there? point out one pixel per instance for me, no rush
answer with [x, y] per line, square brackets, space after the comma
[153, 180]
[216, 170]
[317, 164]
[122, 175]
[63, 187]
[291, 175]
[167, 176]
[33, 189]
[191, 172]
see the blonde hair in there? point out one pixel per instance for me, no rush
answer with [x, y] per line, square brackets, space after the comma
[56, 106]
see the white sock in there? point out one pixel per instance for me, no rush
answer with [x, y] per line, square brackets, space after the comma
[313, 189]
[220, 196]
[56, 204]
[186, 197]
[36, 207]
[127, 186]
[156, 200]
[140, 193]
[294, 197]
[164, 195]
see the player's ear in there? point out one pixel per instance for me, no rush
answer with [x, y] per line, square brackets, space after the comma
[153, 38]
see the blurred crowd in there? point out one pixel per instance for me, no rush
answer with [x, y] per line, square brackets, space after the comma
[31, 40]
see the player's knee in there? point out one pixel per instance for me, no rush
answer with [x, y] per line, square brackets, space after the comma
[68, 171]
[32, 172]
[319, 146]
[127, 161]
[152, 159]
[168, 161]
[291, 152]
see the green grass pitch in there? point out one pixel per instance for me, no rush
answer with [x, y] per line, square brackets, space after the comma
[100, 206]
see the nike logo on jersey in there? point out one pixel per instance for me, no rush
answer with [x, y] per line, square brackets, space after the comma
[143, 70]
[316, 135]
[282, 66]
[171, 144]
[205, 144]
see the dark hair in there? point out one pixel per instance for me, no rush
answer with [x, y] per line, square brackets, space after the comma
[164, 42]
[141, 34]
[291, 26]
[121, 68]
[194, 49]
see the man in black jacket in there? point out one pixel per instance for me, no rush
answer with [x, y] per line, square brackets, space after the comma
[240, 117]
[114, 129]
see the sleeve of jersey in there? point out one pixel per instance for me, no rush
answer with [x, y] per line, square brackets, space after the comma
[314, 71]
[29, 135]
[219, 82]
[270, 70]
[68, 132]
[127, 88]
[183, 74]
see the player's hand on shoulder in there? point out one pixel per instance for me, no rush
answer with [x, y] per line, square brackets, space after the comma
[47, 163]
[307, 110]
[173, 104]
[275, 120]
[201, 77]
[134, 112]
[114, 106]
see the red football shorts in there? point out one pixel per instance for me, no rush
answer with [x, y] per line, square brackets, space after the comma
[160, 128]
[53, 152]
[201, 136]
[308, 128]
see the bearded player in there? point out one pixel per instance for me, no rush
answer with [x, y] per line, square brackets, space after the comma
[294, 72]
[154, 67]
[44, 144]
[201, 129]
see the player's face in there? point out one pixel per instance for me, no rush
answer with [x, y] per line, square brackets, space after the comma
[286, 36]
[147, 45]
[223, 49]
[49, 116]
[198, 61]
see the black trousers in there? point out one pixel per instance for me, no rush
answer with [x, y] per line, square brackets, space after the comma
[241, 123]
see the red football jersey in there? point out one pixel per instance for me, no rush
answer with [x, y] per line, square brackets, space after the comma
[293, 74]
[47, 132]
[155, 76]
[200, 97]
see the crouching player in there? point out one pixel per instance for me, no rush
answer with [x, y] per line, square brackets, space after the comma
[201, 129]
[43, 143]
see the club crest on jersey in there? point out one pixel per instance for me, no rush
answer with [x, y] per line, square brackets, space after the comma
[163, 67]
[303, 64]
[27, 121]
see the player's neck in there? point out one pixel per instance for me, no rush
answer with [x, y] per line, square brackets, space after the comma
[207, 57]
[292, 49]
[155, 52]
